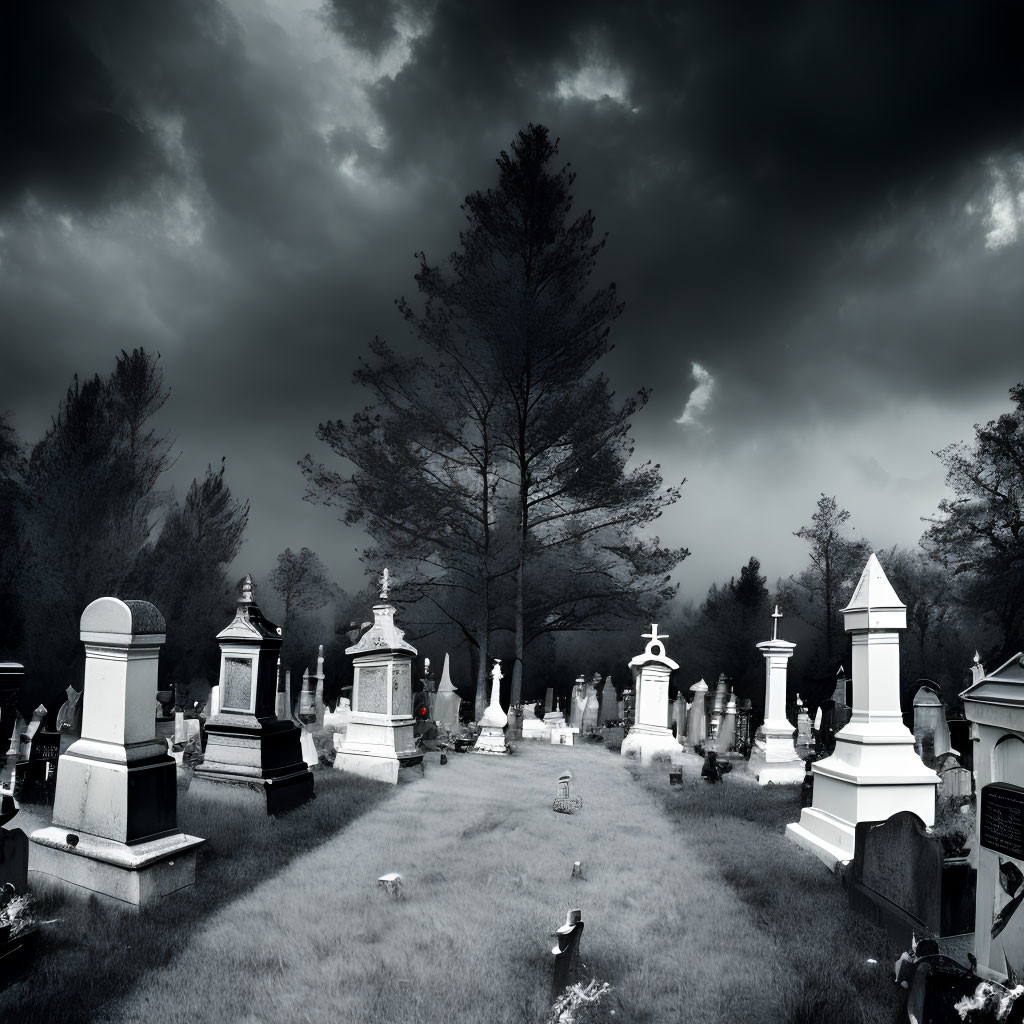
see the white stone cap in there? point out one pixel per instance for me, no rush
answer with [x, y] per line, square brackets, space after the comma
[111, 620]
[784, 648]
[874, 605]
[699, 687]
[654, 653]
[383, 635]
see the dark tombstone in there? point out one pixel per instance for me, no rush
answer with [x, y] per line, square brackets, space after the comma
[807, 788]
[37, 776]
[744, 737]
[514, 731]
[675, 777]
[11, 675]
[14, 859]
[960, 741]
[713, 769]
[628, 697]
[833, 717]
[444, 759]
[566, 953]
[900, 879]
[577, 871]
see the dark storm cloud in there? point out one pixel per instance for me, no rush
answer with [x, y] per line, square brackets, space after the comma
[799, 198]
[755, 159]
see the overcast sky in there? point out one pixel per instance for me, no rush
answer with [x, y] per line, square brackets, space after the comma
[815, 215]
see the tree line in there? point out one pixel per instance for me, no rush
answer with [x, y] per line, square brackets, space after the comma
[963, 584]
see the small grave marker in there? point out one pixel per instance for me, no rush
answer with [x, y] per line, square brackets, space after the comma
[564, 802]
[391, 883]
[577, 870]
[566, 952]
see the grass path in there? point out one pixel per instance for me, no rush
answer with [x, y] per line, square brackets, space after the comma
[487, 866]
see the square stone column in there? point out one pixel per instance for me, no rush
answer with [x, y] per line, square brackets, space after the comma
[774, 758]
[115, 829]
[874, 771]
[379, 742]
[650, 737]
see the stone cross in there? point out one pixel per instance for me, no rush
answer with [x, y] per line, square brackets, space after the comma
[776, 615]
[653, 636]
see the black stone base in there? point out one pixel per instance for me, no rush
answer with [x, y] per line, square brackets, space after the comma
[282, 793]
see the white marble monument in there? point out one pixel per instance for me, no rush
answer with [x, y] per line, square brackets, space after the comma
[379, 741]
[492, 725]
[774, 758]
[114, 829]
[650, 737]
[874, 771]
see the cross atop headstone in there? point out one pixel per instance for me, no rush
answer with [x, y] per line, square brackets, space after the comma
[384, 585]
[654, 635]
[776, 615]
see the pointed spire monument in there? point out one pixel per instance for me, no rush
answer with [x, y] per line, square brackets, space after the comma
[874, 771]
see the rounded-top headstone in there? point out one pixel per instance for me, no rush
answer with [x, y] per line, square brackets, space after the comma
[122, 618]
[926, 697]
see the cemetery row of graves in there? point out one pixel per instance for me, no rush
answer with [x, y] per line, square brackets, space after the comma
[921, 829]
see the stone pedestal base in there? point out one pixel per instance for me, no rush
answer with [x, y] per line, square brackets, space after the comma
[535, 729]
[774, 760]
[135, 875]
[873, 773]
[380, 767]
[554, 720]
[649, 743]
[490, 741]
[282, 793]
[379, 747]
[562, 737]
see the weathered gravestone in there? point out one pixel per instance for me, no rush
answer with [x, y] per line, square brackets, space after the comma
[931, 734]
[900, 879]
[115, 829]
[957, 782]
[565, 802]
[447, 701]
[566, 952]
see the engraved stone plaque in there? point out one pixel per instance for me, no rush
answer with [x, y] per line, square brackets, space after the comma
[236, 690]
[373, 690]
[1002, 819]
[401, 688]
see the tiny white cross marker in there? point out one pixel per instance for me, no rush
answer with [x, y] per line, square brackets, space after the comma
[776, 615]
[653, 635]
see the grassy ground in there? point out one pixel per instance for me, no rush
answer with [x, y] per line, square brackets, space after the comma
[93, 953]
[696, 909]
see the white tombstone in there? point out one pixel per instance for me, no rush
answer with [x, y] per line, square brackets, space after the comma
[447, 701]
[115, 828]
[533, 727]
[379, 742]
[804, 736]
[774, 758]
[994, 705]
[697, 723]
[874, 771]
[492, 725]
[650, 737]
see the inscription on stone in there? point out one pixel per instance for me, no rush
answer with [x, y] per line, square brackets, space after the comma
[236, 691]
[1002, 819]
[401, 688]
[373, 690]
